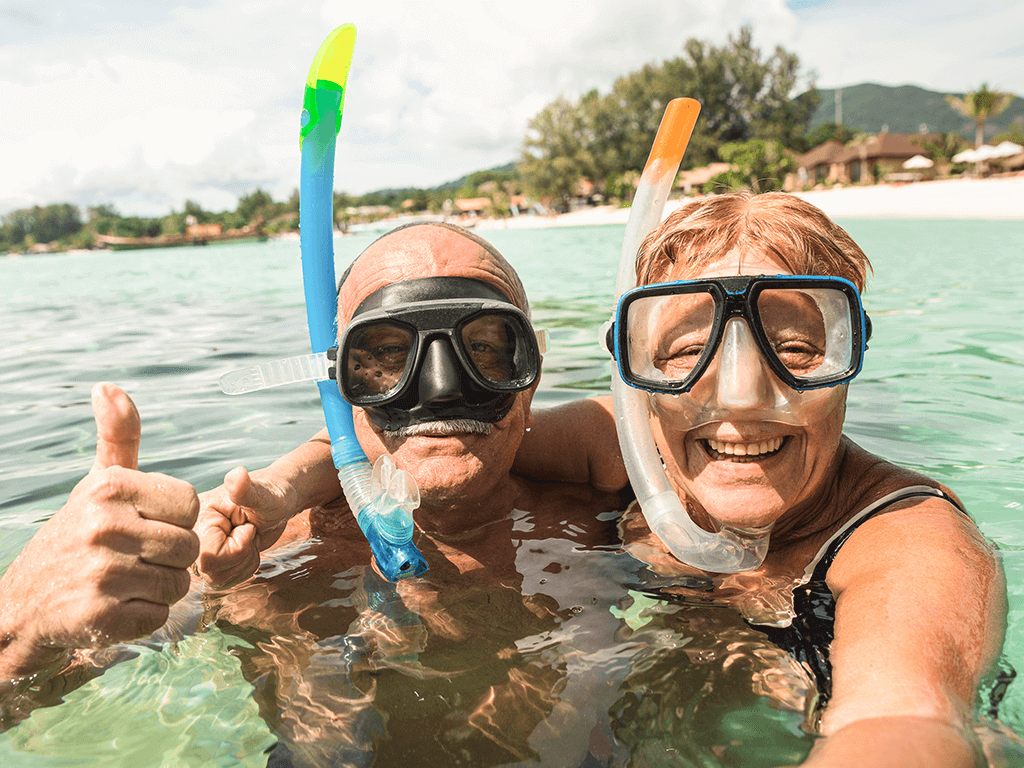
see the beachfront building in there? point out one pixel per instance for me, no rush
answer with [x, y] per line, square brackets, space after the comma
[471, 207]
[692, 182]
[819, 166]
[866, 160]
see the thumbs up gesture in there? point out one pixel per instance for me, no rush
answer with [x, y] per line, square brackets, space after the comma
[107, 567]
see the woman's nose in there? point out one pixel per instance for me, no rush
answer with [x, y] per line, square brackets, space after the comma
[743, 379]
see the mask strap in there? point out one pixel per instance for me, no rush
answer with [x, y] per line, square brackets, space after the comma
[291, 370]
[315, 367]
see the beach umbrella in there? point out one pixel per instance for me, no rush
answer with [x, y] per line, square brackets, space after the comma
[986, 152]
[967, 156]
[918, 161]
[1008, 149]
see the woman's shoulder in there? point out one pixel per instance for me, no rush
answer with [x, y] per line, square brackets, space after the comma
[865, 479]
[903, 522]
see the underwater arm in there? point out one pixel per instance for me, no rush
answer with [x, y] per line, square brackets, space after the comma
[105, 568]
[574, 443]
[920, 618]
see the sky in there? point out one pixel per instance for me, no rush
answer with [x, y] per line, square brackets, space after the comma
[143, 104]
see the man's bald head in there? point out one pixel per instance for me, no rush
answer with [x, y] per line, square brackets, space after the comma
[426, 249]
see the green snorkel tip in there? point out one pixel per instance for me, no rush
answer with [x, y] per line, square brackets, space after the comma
[330, 67]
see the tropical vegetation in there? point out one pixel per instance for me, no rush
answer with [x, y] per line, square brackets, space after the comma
[980, 106]
[604, 139]
[754, 120]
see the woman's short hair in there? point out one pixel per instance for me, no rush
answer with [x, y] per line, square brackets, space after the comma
[774, 224]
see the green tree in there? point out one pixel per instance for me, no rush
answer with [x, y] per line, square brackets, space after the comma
[196, 211]
[947, 145]
[101, 211]
[745, 95]
[826, 132]
[254, 205]
[979, 106]
[760, 164]
[556, 156]
[1014, 133]
[41, 224]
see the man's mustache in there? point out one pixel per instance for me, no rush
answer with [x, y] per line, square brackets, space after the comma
[445, 427]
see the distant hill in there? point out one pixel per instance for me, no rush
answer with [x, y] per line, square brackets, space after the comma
[454, 186]
[868, 107]
[448, 186]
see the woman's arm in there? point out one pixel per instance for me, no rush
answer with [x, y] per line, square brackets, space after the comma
[920, 618]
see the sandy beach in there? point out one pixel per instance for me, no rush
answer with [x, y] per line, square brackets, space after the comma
[992, 198]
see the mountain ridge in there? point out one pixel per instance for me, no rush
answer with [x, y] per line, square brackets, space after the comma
[870, 107]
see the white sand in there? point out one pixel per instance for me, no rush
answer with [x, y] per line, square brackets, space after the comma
[993, 198]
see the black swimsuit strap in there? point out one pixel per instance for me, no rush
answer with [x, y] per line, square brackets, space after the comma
[808, 638]
[823, 560]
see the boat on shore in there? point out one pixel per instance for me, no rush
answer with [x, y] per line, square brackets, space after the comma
[201, 234]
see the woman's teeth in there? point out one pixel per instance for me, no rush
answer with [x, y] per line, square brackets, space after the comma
[744, 450]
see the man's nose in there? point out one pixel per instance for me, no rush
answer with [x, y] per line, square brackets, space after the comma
[743, 380]
[440, 377]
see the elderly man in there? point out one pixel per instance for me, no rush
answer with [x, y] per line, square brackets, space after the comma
[358, 670]
[444, 418]
[107, 567]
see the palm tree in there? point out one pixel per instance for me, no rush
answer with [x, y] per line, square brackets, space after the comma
[980, 105]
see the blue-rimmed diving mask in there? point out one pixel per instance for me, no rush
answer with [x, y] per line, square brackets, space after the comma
[436, 349]
[770, 343]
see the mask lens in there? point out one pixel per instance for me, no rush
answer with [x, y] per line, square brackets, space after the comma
[809, 330]
[375, 360]
[493, 346]
[667, 336]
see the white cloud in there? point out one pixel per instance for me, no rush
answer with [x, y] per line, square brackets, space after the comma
[145, 104]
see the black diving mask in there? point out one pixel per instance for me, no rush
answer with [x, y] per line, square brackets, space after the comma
[436, 349]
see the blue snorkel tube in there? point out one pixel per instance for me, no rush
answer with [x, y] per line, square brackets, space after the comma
[382, 498]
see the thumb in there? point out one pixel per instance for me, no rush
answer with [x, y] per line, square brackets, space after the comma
[244, 491]
[118, 428]
[261, 504]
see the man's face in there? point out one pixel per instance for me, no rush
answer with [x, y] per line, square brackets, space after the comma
[450, 461]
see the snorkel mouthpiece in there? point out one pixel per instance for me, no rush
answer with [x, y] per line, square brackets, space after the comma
[384, 514]
[724, 551]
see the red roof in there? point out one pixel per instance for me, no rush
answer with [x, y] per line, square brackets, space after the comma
[468, 204]
[823, 154]
[896, 145]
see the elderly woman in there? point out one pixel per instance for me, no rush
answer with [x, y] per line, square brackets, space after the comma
[873, 576]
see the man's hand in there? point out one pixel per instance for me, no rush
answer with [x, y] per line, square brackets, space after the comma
[107, 567]
[237, 521]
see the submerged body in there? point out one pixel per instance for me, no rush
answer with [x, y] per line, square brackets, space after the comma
[499, 654]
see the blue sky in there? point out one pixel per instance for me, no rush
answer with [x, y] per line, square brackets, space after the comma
[145, 104]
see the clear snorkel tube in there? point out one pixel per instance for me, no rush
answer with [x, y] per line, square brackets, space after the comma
[382, 499]
[726, 551]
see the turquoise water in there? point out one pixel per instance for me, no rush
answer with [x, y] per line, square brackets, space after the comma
[942, 391]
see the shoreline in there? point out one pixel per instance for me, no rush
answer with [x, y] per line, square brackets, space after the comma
[993, 199]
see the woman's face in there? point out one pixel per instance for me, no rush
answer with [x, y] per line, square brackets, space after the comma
[764, 449]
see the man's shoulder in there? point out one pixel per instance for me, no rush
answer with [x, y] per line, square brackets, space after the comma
[579, 498]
